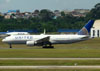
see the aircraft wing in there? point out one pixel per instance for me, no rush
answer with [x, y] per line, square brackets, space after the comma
[39, 42]
[45, 39]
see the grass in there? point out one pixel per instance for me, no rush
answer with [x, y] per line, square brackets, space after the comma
[85, 49]
[49, 53]
[89, 44]
[48, 62]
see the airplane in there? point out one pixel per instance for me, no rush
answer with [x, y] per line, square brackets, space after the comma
[5, 34]
[46, 41]
[14, 33]
[17, 33]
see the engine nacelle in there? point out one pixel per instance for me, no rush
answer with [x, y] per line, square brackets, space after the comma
[31, 43]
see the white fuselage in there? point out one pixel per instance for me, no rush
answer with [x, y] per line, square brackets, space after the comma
[54, 39]
[17, 33]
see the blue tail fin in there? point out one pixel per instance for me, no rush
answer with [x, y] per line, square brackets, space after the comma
[86, 29]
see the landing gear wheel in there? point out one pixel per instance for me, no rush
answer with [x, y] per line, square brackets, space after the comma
[51, 46]
[48, 46]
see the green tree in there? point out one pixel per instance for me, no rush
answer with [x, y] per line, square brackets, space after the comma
[46, 15]
[94, 13]
[62, 14]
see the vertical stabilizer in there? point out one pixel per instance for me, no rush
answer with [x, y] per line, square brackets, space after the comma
[86, 29]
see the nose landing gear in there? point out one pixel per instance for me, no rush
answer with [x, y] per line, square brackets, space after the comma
[10, 46]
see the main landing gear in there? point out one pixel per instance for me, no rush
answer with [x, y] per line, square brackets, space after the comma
[48, 46]
[10, 46]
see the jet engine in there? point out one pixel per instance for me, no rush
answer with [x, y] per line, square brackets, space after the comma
[31, 43]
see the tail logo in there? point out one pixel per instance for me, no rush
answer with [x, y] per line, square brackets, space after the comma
[83, 31]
